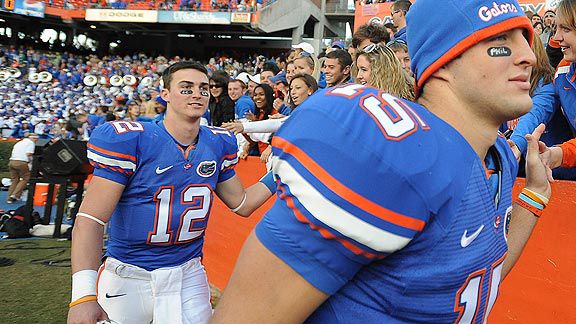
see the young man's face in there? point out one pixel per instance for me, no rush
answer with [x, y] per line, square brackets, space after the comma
[235, 90]
[251, 86]
[501, 82]
[189, 94]
[265, 78]
[566, 37]
[549, 19]
[334, 72]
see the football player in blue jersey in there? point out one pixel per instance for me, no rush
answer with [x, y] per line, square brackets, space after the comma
[397, 212]
[155, 183]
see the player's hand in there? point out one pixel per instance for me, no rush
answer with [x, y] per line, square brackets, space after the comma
[514, 149]
[86, 313]
[538, 173]
[235, 127]
[266, 154]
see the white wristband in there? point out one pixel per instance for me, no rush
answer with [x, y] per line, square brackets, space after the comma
[84, 283]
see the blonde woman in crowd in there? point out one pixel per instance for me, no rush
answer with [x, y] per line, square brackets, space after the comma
[379, 67]
[308, 64]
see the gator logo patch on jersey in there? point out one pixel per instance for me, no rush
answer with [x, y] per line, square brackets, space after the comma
[206, 168]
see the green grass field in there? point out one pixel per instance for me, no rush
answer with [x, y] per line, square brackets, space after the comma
[36, 288]
[30, 290]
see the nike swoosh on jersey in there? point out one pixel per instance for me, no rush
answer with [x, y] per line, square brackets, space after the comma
[466, 240]
[114, 296]
[160, 171]
[566, 88]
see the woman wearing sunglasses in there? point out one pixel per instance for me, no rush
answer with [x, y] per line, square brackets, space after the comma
[221, 106]
[379, 67]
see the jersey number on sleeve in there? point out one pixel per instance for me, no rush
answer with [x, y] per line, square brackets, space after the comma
[127, 126]
[395, 119]
[468, 298]
[192, 220]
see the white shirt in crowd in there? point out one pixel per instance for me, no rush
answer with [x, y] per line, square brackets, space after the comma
[22, 149]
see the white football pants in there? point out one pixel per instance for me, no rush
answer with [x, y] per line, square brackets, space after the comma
[132, 295]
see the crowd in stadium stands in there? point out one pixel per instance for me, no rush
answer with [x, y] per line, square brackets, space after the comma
[245, 90]
[189, 5]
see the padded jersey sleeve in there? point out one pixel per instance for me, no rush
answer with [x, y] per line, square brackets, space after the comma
[341, 204]
[112, 150]
[229, 152]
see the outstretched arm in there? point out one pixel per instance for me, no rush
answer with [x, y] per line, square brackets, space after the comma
[245, 201]
[538, 178]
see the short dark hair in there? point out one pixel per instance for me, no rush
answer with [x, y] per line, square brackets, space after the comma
[271, 66]
[221, 80]
[169, 71]
[344, 58]
[403, 5]
[375, 33]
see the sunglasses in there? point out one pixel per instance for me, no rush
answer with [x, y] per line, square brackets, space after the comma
[215, 86]
[396, 41]
[371, 48]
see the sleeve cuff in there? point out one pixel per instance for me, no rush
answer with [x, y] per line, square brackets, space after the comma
[569, 154]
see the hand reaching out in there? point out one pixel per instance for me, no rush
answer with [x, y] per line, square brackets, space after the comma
[235, 127]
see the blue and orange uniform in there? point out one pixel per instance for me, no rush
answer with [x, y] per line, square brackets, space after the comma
[387, 209]
[163, 211]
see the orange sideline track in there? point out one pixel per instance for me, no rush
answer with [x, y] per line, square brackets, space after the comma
[540, 289]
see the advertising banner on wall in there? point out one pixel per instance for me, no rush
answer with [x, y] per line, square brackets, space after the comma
[194, 17]
[122, 15]
[33, 8]
[380, 13]
[241, 17]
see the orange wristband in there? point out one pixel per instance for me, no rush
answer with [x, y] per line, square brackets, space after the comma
[82, 300]
[535, 196]
[537, 212]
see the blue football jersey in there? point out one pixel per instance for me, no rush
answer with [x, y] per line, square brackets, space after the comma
[388, 209]
[163, 211]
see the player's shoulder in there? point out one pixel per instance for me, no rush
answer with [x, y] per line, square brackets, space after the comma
[122, 130]
[218, 137]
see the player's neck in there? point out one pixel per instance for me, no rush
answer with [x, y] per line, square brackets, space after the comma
[479, 132]
[183, 130]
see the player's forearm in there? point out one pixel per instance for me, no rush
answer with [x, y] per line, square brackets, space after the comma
[256, 195]
[86, 245]
[522, 223]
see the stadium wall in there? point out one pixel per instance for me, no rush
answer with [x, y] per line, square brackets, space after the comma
[540, 289]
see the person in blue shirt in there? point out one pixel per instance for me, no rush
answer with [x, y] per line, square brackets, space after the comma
[243, 104]
[391, 211]
[400, 9]
[155, 182]
[555, 102]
